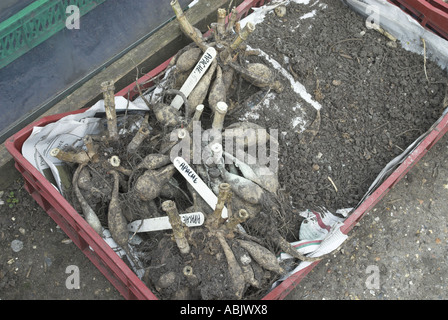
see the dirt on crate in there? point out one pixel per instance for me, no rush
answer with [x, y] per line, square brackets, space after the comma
[374, 95]
[352, 101]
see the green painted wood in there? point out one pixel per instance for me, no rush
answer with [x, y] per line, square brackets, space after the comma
[35, 24]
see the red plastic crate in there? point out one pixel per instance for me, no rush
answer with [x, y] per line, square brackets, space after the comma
[79, 231]
[108, 262]
[431, 14]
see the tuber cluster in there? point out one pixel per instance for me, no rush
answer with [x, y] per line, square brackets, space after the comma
[123, 175]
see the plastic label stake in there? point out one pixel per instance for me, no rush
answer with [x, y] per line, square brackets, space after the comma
[194, 77]
[193, 219]
[196, 182]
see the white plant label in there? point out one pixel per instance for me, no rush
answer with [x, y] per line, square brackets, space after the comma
[193, 219]
[194, 77]
[196, 182]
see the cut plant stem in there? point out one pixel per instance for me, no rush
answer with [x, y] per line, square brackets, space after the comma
[224, 196]
[169, 207]
[215, 156]
[217, 152]
[115, 162]
[91, 149]
[236, 219]
[108, 89]
[186, 27]
[243, 35]
[226, 55]
[220, 113]
[196, 117]
[191, 277]
[285, 246]
[181, 134]
[80, 157]
[221, 22]
[232, 20]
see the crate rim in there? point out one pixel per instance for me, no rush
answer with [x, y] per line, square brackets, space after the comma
[430, 14]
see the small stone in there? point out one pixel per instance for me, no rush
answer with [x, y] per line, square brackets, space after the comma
[22, 230]
[316, 167]
[48, 262]
[336, 82]
[245, 259]
[392, 44]
[280, 11]
[16, 245]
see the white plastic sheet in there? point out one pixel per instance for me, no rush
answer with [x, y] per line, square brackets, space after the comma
[402, 26]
